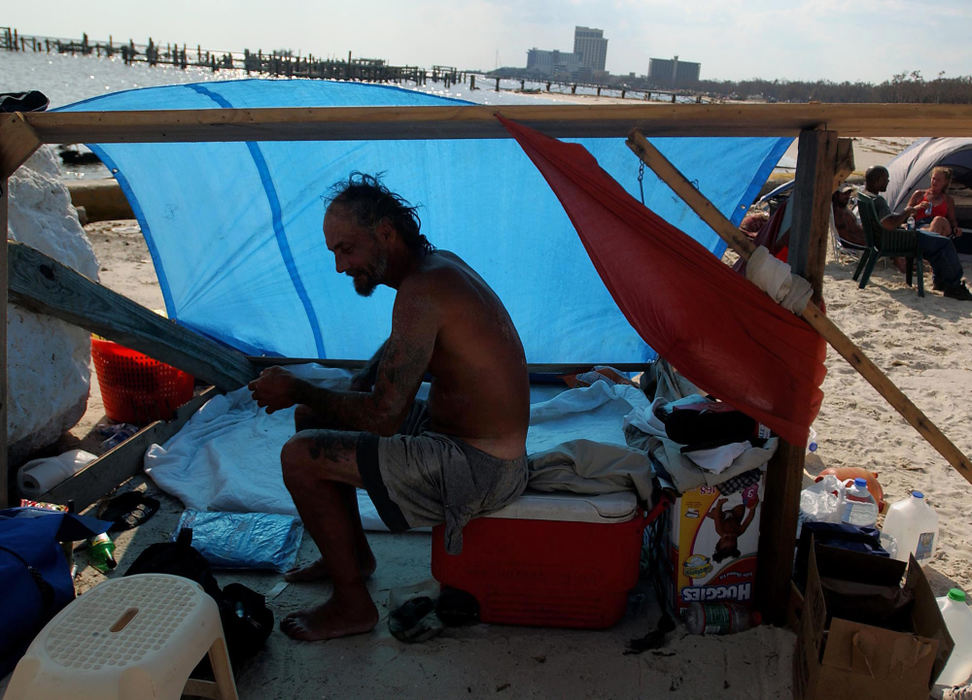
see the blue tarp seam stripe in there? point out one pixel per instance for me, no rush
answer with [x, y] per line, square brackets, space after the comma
[143, 224]
[278, 228]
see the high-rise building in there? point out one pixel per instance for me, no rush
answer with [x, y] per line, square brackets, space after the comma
[591, 46]
[552, 64]
[670, 72]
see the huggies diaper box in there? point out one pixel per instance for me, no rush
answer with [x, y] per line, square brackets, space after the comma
[705, 547]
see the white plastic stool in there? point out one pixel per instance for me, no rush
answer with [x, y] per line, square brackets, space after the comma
[130, 638]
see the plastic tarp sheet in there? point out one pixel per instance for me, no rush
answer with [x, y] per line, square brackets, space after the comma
[719, 330]
[234, 229]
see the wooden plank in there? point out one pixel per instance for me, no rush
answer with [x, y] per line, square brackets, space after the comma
[124, 461]
[533, 367]
[477, 121]
[5, 475]
[44, 285]
[17, 142]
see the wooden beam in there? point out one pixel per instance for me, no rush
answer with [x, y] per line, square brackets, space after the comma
[477, 121]
[261, 361]
[44, 285]
[17, 142]
[124, 461]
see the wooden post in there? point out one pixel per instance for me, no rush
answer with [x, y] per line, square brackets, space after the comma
[5, 476]
[816, 164]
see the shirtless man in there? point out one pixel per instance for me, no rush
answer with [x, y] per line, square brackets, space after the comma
[459, 455]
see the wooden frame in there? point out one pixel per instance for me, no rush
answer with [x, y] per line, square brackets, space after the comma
[818, 126]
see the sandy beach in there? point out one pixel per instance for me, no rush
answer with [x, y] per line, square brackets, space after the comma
[921, 343]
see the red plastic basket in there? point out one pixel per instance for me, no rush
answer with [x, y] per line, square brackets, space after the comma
[134, 387]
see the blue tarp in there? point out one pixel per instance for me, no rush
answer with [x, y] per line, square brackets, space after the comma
[234, 229]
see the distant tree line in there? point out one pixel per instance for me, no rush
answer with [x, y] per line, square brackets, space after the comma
[903, 87]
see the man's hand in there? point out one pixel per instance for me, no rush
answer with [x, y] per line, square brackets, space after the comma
[275, 389]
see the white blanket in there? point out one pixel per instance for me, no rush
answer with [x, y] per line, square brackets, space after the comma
[227, 456]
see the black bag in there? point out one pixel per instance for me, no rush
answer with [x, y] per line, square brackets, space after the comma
[247, 621]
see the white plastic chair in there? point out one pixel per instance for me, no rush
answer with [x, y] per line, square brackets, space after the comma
[130, 638]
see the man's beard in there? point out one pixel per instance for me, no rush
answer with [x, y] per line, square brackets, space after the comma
[366, 281]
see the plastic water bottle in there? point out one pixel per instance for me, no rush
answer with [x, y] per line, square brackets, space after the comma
[958, 619]
[812, 441]
[914, 526]
[860, 508]
[720, 618]
[911, 223]
[101, 553]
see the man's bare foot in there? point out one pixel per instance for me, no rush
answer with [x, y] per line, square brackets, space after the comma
[317, 571]
[341, 616]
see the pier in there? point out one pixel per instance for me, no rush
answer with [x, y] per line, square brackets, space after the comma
[275, 63]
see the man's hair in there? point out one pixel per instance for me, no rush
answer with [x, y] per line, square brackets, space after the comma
[368, 201]
[872, 174]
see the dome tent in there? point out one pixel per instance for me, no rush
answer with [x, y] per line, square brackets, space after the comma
[234, 228]
[911, 169]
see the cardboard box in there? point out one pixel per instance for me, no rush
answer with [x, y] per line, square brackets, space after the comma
[838, 658]
[710, 542]
[548, 559]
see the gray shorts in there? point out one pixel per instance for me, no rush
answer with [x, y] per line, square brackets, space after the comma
[430, 478]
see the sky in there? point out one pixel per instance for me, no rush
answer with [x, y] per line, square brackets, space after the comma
[859, 41]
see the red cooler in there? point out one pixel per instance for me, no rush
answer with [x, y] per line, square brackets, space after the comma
[549, 559]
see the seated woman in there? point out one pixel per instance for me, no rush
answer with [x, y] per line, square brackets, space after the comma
[939, 205]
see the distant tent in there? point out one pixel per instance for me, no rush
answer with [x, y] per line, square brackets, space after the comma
[911, 170]
[234, 229]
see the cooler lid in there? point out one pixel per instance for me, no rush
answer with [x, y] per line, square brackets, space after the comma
[572, 507]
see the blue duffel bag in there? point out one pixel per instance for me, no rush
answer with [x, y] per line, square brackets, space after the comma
[35, 573]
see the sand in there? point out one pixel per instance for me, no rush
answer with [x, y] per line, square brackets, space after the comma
[922, 343]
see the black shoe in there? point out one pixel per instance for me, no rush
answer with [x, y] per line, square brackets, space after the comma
[959, 291]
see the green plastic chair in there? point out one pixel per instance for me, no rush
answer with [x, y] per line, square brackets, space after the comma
[882, 243]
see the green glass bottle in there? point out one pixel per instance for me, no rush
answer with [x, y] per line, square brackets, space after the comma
[101, 553]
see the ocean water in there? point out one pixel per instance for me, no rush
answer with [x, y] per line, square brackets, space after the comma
[66, 79]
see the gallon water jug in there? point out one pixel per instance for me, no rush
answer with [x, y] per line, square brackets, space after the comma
[958, 619]
[860, 508]
[914, 526]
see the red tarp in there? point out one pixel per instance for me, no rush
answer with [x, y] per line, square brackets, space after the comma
[719, 330]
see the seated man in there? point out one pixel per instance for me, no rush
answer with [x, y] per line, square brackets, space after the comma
[939, 251]
[464, 451]
[848, 227]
